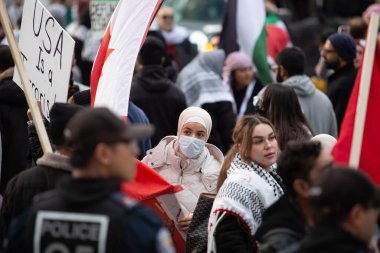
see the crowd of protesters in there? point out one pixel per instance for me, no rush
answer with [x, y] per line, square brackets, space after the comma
[261, 151]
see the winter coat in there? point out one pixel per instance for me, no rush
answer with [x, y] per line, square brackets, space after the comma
[21, 190]
[34, 142]
[330, 239]
[104, 220]
[239, 96]
[161, 101]
[283, 227]
[137, 116]
[194, 175]
[339, 87]
[233, 236]
[223, 123]
[13, 128]
[315, 105]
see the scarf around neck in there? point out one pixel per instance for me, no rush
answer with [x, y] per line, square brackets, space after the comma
[246, 193]
[201, 80]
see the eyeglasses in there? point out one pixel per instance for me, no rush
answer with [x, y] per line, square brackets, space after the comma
[167, 17]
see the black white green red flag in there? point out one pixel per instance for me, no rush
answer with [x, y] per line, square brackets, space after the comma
[244, 30]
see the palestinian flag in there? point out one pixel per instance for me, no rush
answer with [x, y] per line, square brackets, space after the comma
[278, 36]
[244, 30]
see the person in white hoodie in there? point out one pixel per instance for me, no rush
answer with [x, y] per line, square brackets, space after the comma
[187, 160]
[315, 105]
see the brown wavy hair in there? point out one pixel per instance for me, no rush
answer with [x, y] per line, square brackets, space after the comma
[280, 105]
[242, 138]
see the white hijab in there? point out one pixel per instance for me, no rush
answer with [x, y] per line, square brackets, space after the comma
[195, 114]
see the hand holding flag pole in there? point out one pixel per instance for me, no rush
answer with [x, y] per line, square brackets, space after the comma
[32, 103]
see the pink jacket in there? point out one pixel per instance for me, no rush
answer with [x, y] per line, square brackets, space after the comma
[195, 175]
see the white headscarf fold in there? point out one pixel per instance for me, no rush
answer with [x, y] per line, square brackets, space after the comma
[195, 114]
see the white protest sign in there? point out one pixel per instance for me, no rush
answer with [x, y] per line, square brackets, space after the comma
[100, 13]
[47, 51]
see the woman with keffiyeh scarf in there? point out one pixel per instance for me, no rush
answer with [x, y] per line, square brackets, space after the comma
[248, 184]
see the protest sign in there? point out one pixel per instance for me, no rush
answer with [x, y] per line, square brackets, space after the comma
[100, 13]
[37, 118]
[47, 51]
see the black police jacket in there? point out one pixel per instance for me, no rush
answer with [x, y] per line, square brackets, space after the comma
[88, 215]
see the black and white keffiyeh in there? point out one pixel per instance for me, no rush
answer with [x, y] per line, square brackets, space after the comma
[201, 80]
[246, 193]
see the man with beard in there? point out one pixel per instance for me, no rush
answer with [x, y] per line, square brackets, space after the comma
[339, 53]
[315, 104]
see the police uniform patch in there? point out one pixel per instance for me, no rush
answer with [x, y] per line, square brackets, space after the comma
[70, 232]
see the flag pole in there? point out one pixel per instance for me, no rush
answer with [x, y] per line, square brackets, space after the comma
[365, 84]
[37, 118]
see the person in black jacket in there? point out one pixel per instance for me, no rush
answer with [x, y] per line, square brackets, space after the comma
[154, 93]
[87, 212]
[13, 127]
[339, 53]
[137, 116]
[345, 206]
[238, 73]
[288, 221]
[50, 168]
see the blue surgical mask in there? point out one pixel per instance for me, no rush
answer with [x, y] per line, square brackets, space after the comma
[190, 146]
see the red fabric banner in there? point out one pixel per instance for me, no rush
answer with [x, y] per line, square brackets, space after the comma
[370, 151]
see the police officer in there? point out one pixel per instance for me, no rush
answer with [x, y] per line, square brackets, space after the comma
[88, 212]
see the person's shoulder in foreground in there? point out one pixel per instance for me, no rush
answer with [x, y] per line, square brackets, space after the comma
[88, 211]
[345, 218]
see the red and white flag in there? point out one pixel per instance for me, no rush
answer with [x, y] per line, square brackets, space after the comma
[112, 72]
[111, 79]
[369, 161]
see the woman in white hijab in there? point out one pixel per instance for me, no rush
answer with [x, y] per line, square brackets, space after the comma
[187, 160]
